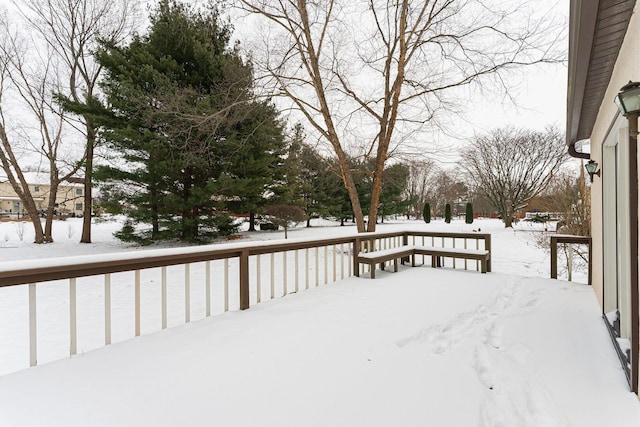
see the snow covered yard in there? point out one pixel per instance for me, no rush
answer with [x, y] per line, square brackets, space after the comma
[419, 347]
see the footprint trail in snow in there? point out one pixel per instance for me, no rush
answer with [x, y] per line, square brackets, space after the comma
[513, 395]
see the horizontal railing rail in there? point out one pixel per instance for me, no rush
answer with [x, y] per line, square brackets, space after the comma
[566, 239]
[242, 270]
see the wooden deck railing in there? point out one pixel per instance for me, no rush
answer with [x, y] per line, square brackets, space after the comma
[240, 270]
[565, 239]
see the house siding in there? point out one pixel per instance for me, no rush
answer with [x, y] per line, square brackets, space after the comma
[66, 198]
[627, 67]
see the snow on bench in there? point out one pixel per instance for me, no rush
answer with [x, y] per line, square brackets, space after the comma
[381, 256]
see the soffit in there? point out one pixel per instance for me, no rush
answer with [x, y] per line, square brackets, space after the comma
[596, 32]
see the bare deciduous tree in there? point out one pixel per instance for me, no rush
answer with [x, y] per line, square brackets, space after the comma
[421, 177]
[447, 187]
[34, 79]
[570, 199]
[71, 29]
[371, 74]
[511, 166]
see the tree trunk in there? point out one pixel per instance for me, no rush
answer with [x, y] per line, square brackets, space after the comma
[252, 221]
[507, 221]
[32, 211]
[88, 179]
[347, 178]
[155, 217]
[189, 226]
[507, 217]
[19, 184]
[376, 189]
[48, 222]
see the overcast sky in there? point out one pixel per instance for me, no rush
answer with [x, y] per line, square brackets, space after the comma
[540, 96]
[539, 93]
[536, 98]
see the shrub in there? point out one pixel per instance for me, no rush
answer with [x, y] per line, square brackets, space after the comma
[468, 217]
[225, 225]
[426, 213]
[447, 213]
[285, 215]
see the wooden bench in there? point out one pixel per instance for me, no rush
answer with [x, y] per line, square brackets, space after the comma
[401, 252]
[482, 255]
[382, 256]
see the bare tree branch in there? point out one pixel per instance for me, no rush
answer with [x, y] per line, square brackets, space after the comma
[511, 166]
[366, 75]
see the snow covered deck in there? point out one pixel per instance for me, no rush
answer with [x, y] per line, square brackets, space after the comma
[419, 347]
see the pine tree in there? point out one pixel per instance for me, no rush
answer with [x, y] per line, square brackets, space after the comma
[190, 140]
[257, 167]
[309, 181]
[392, 200]
[468, 218]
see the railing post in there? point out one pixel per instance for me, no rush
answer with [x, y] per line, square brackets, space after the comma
[569, 252]
[326, 265]
[590, 274]
[33, 326]
[405, 242]
[73, 330]
[554, 257]
[107, 309]
[137, 303]
[207, 290]
[164, 296]
[187, 293]
[285, 271]
[244, 280]
[487, 246]
[258, 280]
[226, 284]
[355, 251]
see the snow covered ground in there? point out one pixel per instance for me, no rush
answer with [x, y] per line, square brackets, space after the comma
[421, 347]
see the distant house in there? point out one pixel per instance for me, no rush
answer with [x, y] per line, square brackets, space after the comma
[69, 198]
[604, 55]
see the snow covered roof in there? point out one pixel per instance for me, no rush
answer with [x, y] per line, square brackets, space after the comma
[42, 178]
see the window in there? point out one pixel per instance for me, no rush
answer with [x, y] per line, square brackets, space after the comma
[78, 206]
[79, 191]
[36, 189]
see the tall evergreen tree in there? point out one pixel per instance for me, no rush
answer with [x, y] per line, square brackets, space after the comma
[394, 183]
[311, 183]
[256, 175]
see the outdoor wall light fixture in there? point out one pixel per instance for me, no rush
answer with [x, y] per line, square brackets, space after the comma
[628, 99]
[592, 169]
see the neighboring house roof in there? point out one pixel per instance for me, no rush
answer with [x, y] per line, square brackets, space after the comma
[42, 178]
[596, 32]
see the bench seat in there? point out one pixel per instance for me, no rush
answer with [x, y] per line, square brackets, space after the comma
[400, 252]
[380, 257]
[481, 255]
